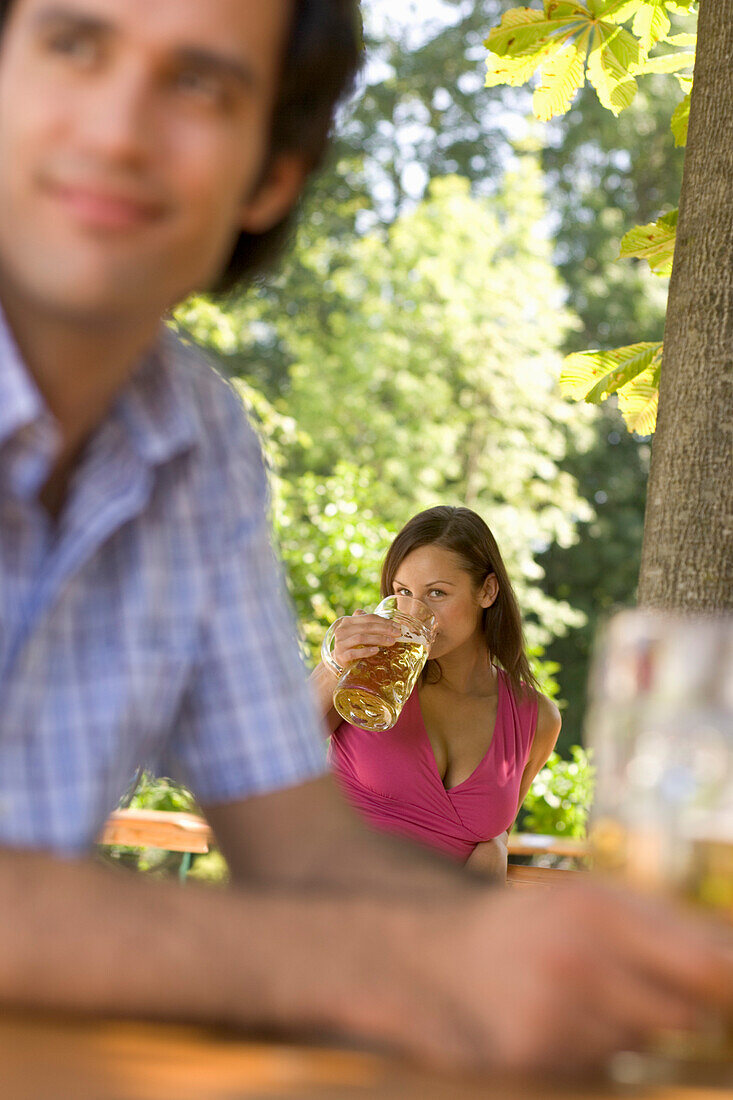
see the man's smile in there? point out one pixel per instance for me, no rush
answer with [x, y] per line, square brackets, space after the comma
[100, 207]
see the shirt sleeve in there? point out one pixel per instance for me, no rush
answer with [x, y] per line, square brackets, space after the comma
[248, 723]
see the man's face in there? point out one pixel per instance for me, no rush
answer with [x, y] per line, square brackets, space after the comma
[133, 135]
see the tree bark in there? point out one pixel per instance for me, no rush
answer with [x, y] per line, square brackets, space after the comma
[687, 556]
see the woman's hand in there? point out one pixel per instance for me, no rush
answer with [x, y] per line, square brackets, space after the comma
[357, 635]
[490, 858]
[362, 635]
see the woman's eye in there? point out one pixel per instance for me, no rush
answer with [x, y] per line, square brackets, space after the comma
[437, 592]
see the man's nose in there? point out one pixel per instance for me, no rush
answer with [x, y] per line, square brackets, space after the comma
[117, 119]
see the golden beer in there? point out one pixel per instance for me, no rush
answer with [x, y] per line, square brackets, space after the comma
[661, 726]
[372, 691]
[709, 879]
[700, 871]
[696, 869]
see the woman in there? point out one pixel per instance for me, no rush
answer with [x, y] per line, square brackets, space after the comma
[454, 770]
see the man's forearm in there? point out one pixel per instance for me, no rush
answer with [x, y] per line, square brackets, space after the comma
[437, 981]
[308, 836]
[75, 936]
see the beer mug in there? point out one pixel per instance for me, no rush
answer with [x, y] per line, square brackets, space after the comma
[660, 723]
[372, 691]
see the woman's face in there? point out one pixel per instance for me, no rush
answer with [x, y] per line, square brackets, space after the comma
[438, 577]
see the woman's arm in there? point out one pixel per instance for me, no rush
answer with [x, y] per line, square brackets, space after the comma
[490, 858]
[323, 681]
[546, 734]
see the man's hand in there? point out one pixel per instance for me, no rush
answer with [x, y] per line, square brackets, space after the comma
[549, 981]
[479, 977]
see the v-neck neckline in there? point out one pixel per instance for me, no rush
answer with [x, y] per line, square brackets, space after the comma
[500, 688]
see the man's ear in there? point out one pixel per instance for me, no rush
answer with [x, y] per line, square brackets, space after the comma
[489, 590]
[276, 194]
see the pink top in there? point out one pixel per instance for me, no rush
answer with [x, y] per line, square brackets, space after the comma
[393, 779]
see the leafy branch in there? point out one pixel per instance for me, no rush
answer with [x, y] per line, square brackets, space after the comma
[609, 43]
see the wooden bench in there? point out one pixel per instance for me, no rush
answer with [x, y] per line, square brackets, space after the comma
[174, 832]
[516, 875]
[535, 844]
[188, 833]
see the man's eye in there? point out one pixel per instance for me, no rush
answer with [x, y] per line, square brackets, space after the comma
[77, 47]
[202, 86]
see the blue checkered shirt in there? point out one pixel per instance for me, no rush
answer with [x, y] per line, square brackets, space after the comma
[149, 625]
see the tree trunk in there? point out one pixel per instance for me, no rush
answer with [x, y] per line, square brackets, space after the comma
[687, 557]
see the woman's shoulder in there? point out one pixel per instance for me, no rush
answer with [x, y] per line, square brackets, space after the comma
[537, 712]
[549, 722]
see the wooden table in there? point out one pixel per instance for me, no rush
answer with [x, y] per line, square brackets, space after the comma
[42, 1058]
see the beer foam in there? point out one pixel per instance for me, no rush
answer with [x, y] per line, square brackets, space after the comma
[409, 636]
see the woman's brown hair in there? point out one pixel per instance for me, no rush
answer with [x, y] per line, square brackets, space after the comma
[466, 534]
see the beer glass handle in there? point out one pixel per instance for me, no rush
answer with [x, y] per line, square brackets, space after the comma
[326, 655]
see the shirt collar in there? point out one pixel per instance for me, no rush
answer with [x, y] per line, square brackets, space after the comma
[154, 408]
[21, 403]
[157, 406]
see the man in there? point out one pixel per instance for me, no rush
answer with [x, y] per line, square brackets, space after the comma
[147, 150]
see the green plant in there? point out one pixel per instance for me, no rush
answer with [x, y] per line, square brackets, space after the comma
[152, 793]
[560, 797]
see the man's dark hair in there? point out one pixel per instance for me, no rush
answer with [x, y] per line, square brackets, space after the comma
[321, 60]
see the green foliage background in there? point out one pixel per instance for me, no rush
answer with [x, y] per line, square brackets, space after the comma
[317, 328]
[407, 352]
[560, 797]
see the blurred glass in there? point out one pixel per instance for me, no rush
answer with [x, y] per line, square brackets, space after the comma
[660, 722]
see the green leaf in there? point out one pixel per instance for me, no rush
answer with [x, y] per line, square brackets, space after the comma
[515, 70]
[670, 218]
[680, 121]
[529, 40]
[524, 30]
[594, 375]
[668, 63]
[654, 243]
[623, 11]
[622, 46]
[639, 400]
[651, 23]
[615, 11]
[562, 76]
[681, 40]
[611, 56]
[559, 9]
